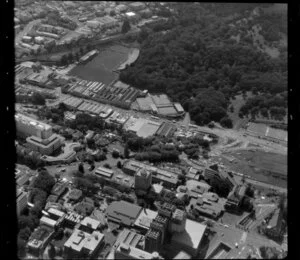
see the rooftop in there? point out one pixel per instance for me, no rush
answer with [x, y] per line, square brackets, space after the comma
[122, 211]
[129, 238]
[145, 218]
[90, 221]
[31, 121]
[79, 240]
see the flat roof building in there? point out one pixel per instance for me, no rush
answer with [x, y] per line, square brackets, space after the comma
[104, 172]
[82, 244]
[123, 212]
[48, 221]
[89, 225]
[144, 219]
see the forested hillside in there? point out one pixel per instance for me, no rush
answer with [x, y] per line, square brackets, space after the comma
[195, 59]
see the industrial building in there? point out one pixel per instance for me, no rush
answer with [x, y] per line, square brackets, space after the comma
[160, 105]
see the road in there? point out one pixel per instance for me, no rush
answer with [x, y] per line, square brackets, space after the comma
[26, 29]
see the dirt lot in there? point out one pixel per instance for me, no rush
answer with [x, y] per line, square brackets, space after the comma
[262, 166]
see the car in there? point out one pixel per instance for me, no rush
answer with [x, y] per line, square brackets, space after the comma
[63, 170]
[226, 226]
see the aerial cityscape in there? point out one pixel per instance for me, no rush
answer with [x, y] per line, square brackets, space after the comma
[151, 130]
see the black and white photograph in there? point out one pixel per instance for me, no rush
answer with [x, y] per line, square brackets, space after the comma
[151, 130]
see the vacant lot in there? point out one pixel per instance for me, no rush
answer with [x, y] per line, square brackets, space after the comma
[262, 166]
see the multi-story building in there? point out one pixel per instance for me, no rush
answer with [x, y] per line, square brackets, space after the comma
[152, 241]
[178, 220]
[83, 245]
[27, 126]
[143, 180]
[21, 201]
[125, 251]
[166, 209]
[39, 135]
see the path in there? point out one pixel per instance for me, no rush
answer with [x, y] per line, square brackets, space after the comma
[26, 29]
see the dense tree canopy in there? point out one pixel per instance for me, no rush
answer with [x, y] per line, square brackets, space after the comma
[192, 52]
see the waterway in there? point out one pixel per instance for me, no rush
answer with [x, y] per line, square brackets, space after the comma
[101, 68]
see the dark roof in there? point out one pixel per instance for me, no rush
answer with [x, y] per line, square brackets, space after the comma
[123, 211]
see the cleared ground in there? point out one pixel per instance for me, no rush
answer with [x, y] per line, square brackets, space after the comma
[262, 166]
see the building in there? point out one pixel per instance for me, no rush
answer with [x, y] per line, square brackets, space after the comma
[152, 241]
[104, 172]
[178, 221]
[166, 209]
[107, 22]
[27, 126]
[235, 198]
[143, 180]
[55, 214]
[45, 146]
[59, 189]
[131, 238]
[39, 135]
[144, 220]
[197, 188]
[89, 225]
[21, 201]
[39, 240]
[274, 228]
[48, 222]
[123, 212]
[83, 245]
[219, 177]
[208, 205]
[22, 177]
[190, 239]
[167, 178]
[137, 6]
[71, 219]
[128, 252]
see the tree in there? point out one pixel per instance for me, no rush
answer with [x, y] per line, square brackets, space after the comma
[226, 122]
[115, 154]
[57, 176]
[119, 164]
[38, 99]
[24, 233]
[81, 168]
[125, 26]
[21, 245]
[44, 181]
[126, 151]
[106, 165]
[51, 251]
